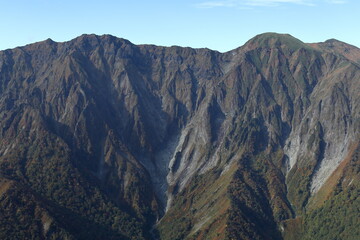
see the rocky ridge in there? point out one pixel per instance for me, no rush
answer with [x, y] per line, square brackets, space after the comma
[139, 132]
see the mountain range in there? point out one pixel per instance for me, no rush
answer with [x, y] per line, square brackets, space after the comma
[104, 139]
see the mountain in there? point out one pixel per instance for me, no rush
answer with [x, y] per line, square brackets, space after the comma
[104, 139]
[337, 47]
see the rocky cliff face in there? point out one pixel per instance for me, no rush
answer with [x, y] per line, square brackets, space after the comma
[144, 142]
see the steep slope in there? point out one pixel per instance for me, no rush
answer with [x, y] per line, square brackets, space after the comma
[240, 145]
[334, 46]
[278, 133]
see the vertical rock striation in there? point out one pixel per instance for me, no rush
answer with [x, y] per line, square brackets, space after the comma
[205, 145]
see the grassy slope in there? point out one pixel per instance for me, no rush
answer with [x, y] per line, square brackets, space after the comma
[332, 213]
[200, 210]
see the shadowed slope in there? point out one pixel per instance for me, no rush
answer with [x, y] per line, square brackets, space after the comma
[176, 143]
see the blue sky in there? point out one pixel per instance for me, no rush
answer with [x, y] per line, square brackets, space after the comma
[216, 24]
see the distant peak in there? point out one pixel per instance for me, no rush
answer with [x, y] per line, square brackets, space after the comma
[273, 35]
[348, 51]
[87, 37]
[49, 40]
[332, 40]
[272, 39]
[333, 43]
[94, 39]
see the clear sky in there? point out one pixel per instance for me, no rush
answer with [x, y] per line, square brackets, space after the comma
[216, 24]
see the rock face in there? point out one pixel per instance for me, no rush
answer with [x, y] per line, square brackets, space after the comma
[340, 48]
[113, 140]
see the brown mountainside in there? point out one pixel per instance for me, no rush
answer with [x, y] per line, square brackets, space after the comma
[334, 46]
[104, 139]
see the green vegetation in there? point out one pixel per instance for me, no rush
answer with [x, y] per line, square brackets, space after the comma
[200, 210]
[23, 215]
[339, 216]
[250, 215]
[279, 40]
[88, 127]
[46, 169]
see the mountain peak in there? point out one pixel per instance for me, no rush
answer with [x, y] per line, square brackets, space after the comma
[104, 139]
[333, 40]
[49, 41]
[338, 47]
[271, 39]
[272, 35]
[104, 37]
